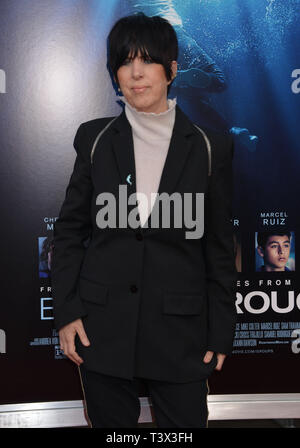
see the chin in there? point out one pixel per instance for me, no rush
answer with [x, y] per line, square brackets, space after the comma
[143, 105]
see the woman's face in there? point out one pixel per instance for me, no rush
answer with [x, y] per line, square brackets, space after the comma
[144, 84]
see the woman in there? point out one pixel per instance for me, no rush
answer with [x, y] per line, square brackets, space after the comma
[141, 299]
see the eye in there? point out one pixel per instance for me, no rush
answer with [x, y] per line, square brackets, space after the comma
[148, 61]
[127, 61]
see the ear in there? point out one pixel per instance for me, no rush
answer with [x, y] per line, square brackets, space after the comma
[173, 70]
[116, 81]
[260, 251]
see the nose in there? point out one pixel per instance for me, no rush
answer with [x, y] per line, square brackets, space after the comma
[137, 68]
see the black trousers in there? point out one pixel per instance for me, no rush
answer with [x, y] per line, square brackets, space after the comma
[113, 402]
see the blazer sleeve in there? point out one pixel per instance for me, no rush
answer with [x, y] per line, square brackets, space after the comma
[71, 229]
[221, 274]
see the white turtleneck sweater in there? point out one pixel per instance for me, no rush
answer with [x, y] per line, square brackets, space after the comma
[151, 139]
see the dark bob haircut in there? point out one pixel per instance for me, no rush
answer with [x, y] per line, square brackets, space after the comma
[262, 237]
[154, 37]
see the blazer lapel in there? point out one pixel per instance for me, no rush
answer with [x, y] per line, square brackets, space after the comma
[124, 152]
[179, 148]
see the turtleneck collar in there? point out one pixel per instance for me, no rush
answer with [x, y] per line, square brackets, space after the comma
[149, 126]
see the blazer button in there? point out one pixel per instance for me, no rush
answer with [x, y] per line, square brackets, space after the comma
[133, 288]
[139, 236]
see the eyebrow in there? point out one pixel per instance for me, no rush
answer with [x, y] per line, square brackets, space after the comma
[277, 242]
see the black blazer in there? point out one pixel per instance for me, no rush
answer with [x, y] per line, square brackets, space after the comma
[152, 301]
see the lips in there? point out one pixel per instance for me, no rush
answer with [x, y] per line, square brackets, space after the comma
[139, 89]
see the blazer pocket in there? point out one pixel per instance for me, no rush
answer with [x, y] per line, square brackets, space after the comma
[179, 304]
[93, 292]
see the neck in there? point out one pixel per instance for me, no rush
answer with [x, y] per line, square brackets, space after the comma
[158, 109]
[151, 126]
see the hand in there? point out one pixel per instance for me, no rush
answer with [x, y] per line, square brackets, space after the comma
[67, 340]
[220, 357]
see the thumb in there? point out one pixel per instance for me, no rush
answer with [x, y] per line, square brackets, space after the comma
[82, 335]
[208, 356]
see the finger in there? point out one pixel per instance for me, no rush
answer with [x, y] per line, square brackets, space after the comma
[61, 345]
[70, 351]
[76, 359]
[63, 341]
[73, 356]
[220, 362]
[208, 356]
[83, 336]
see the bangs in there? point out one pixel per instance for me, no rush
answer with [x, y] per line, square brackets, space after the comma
[144, 42]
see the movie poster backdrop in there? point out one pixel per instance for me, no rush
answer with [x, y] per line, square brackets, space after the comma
[239, 71]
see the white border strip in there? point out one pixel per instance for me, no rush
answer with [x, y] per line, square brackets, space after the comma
[254, 406]
[59, 414]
